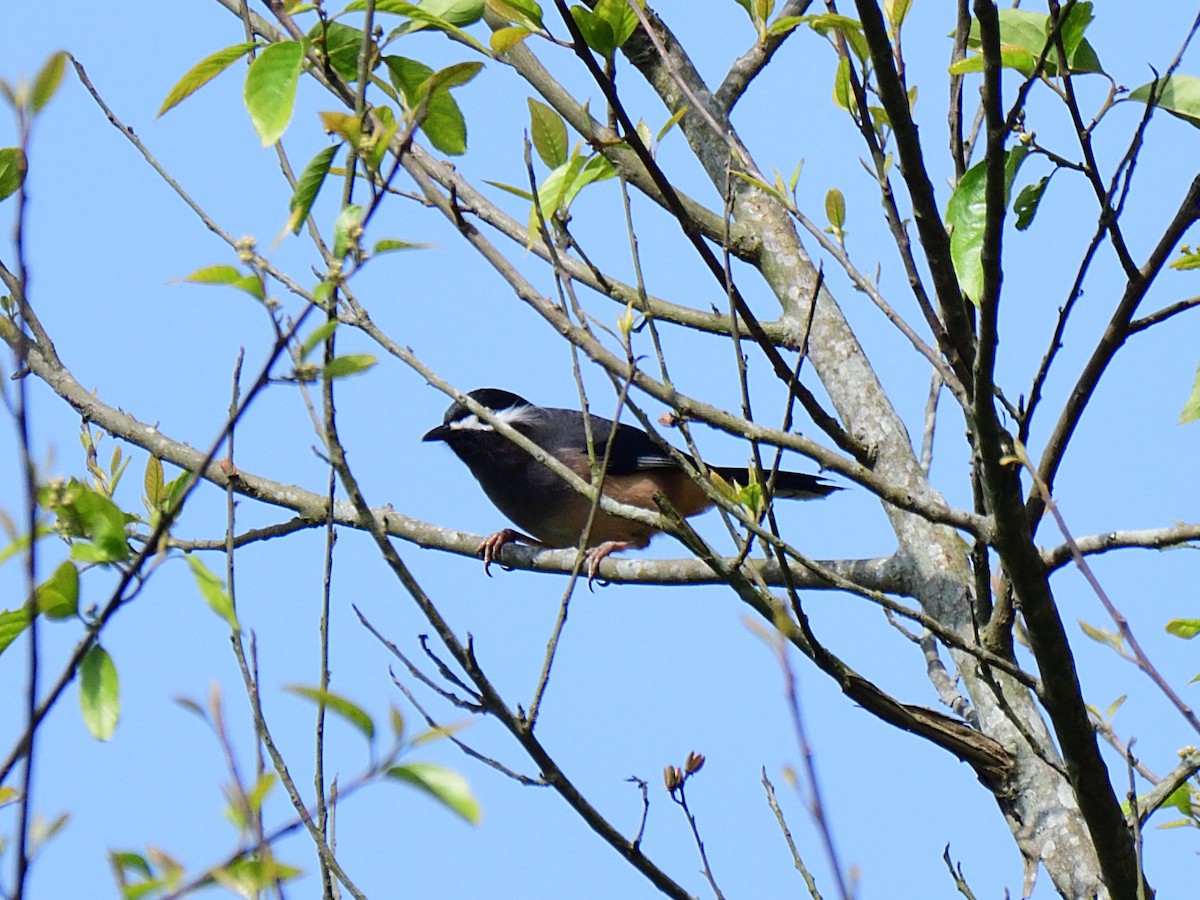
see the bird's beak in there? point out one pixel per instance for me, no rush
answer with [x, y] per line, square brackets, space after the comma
[436, 434]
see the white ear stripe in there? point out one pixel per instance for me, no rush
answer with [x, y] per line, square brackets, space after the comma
[511, 416]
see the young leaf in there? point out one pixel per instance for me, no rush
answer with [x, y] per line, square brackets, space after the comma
[270, 90]
[508, 188]
[620, 18]
[444, 784]
[597, 33]
[341, 45]
[443, 122]
[835, 209]
[212, 589]
[227, 275]
[841, 84]
[549, 133]
[456, 12]
[1184, 628]
[58, 596]
[308, 185]
[390, 245]
[317, 337]
[152, 483]
[202, 73]
[522, 12]
[13, 167]
[347, 230]
[45, 85]
[99, 692]
[453, 76]
[1188, 259]
[504, 39]
[895, 11]
[671, 122]
[12, 623]
[350, 364]
[346, 709]
[1191, 409]
[102, 523]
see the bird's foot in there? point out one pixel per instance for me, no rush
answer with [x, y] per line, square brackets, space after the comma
[594, 556]
[494, 543]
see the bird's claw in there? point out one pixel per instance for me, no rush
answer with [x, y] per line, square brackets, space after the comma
[491, 547]
[595, 555]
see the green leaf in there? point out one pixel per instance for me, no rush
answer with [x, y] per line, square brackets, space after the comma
[446, 785]
[13, 167]
[202, 73]
[317, 337]
[443, 121]
[1010, 58]
[835, 209]
[671, 123]
[620, 18]
[597, 33]
[341, 45]
[396, 720]
[504, 39]
[895, 11]
[152, 482]
[842, 94]
[308, 185]
[1191, 409]
[453, 76]
[1179, 95]
[423, 16]
[522, 12]
[390, 245]
[508, 188]
[340, 706]
[1073, 27]
[828, 23]
[549, 133]
[227, 275]
[1026, 204]
[347, 230]
[12, 623]
[784, 25]
[1103, 636]
[103, 524]
[251, 877]
[456, 12]
[99, 693]
[212, 589]
[452, 12]
[58, 596]
[966, 214]
[1023, 38]
[270, 90]
[1188, 259]
[350, 364]
[45, 85]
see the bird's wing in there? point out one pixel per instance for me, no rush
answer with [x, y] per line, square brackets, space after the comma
[632, 449]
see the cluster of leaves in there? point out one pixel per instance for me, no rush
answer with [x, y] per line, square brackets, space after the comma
[155, 873]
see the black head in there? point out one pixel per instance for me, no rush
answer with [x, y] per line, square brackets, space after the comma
[458, 417]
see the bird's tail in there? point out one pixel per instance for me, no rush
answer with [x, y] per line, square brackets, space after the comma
[790, 485]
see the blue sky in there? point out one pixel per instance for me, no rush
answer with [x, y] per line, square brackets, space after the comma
[644, 675]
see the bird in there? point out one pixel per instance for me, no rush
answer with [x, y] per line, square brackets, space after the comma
[554, 513]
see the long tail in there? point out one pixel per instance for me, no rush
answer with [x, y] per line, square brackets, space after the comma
[791, 485]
